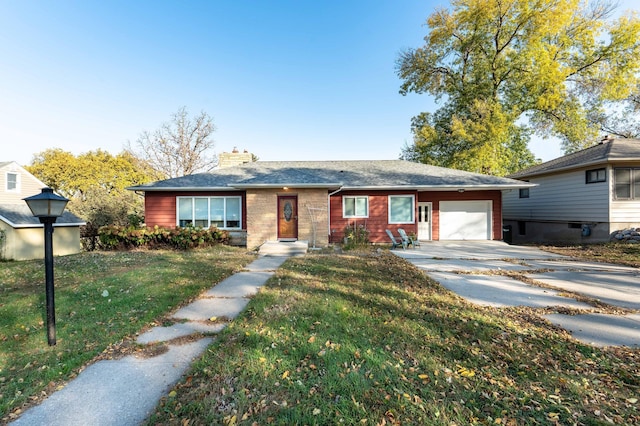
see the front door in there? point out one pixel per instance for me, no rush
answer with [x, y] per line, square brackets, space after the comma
[424, 221]
[287, 217]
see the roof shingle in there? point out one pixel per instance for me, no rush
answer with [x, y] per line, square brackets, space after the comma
[604, 152]
[362, 174]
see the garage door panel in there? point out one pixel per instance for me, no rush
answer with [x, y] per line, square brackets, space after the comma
[465, 220]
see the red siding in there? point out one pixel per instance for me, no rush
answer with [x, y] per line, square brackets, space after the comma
[436, 197]
[160, 207]
[377, 222]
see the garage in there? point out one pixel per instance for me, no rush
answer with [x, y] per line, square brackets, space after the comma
[465, 220]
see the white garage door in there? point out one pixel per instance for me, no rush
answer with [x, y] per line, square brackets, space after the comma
[465, 220]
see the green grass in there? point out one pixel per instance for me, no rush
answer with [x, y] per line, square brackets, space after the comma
[368, 339]
[142, 287]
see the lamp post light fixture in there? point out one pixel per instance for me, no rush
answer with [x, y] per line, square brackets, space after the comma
[47, 207]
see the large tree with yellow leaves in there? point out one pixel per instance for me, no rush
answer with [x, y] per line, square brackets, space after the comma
[503, 70]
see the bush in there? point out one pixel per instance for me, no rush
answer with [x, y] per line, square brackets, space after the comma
[356, 236]
[120, 238]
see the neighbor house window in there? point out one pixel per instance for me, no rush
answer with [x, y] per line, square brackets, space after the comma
[524, 193]
[626, 183]
[355, 206]
[203, 212]
[401, 208]
[12, 182]
[522, 228]
[597, 175]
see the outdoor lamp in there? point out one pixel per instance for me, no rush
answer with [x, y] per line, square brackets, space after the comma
[47, 207]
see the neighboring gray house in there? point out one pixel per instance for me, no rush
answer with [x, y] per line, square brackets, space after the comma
[21, 234]
[581, 197]
[317, 200]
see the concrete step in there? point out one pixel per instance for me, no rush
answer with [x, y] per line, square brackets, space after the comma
[284, 248]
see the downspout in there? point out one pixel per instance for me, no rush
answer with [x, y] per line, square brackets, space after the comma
[329, 210]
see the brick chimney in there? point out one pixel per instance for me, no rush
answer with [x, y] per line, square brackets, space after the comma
[234, 158]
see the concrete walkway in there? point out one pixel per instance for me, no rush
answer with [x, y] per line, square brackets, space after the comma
[126, 391]
[471, 269]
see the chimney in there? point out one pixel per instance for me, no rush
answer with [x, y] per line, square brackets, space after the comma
[234, 158]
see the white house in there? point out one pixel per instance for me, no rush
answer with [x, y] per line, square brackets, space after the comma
[580, 197]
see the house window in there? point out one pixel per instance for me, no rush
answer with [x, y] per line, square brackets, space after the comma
[401, 208]
[355, 206]
[597, 175]
[626, 183]
[204, 212]
[12, 182]
[522, 228]
[524, 192]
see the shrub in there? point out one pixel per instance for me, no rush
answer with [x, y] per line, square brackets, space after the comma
[120, 238]
[355, 236]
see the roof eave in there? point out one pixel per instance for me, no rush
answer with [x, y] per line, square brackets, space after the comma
[179, 188]
[285, 185]
[442, 188]
[572, 167]
[38, 225]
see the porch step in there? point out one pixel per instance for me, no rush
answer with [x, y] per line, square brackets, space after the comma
[284, 248]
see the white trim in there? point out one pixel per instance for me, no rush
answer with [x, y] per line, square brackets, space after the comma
[354, 216]
[38, 225]
[429, 206]
[413, 209]
[18, 181]
[208, 198]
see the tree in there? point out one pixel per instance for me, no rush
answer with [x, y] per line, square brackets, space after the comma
[506, 69]
[180, 147]
[95, 183]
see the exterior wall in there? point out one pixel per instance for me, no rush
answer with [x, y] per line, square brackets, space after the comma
[624, 213]
[160, 207]
[378, 220]
[28, 243]
[563, 205]
[28, 185]
[566, 232]
[563, 197]
[435, 197]
[262, 215]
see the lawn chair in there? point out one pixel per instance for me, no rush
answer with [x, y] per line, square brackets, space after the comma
[410, 241]
[394, 241]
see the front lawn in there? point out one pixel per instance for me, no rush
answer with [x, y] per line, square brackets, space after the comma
[368, 339]
[102, 301]
[620, 253]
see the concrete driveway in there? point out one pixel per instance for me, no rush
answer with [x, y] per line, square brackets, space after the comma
[469, 268]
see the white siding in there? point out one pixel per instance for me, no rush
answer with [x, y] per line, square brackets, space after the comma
[625, 212]
[562, 197]
[28, 184]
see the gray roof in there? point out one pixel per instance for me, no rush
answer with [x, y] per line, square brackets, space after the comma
[20, 216]
[610, 150]
[376, 174]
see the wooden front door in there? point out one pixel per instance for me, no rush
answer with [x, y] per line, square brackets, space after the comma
[287, 217]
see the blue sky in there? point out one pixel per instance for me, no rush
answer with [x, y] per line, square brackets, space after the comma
[286, 80]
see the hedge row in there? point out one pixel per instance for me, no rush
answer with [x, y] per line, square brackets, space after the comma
[118, 237]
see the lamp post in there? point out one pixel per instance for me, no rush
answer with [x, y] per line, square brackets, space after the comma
[47, 207]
